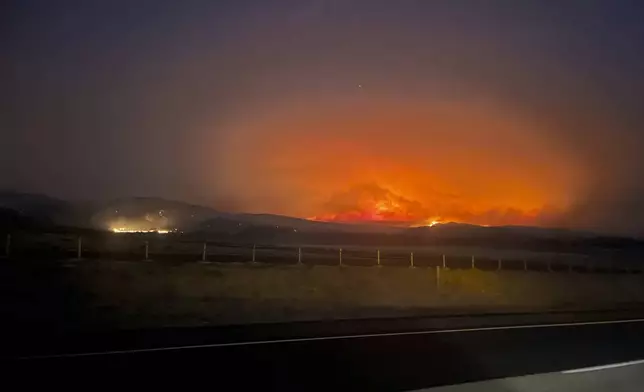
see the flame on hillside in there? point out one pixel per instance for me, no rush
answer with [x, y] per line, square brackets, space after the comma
[374, 204]
[150, 223]
[431, 222]
[371, 203]
[133, 230]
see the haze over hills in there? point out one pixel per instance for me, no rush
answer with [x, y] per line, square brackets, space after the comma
[41, 212]
[155, 212]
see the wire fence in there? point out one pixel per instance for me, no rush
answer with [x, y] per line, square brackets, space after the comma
[171, 248]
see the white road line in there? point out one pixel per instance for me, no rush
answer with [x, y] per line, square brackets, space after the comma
[602, 367]
[337, 337]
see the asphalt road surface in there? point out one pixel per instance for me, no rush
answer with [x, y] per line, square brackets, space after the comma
[622, 377]
[392, 355]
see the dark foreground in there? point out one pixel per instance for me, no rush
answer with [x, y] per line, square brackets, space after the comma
[397, 354]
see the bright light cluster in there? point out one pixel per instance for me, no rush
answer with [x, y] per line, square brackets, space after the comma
[129, 230]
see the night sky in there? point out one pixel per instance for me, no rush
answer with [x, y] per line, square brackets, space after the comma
[490, 112]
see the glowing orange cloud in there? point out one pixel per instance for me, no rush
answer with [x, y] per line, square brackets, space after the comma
[421, 161]
[374, 204]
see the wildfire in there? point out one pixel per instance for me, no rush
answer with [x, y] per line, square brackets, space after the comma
[131, 230]
[431, 222]
[372, 203]
[149, 223]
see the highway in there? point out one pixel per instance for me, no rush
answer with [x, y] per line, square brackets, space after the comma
[389, 355]
[625, 376]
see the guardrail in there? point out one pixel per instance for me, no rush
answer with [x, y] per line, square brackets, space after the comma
[163, 248]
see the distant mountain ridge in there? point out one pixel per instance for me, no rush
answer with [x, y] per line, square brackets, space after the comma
[29, 203]
[35, 210]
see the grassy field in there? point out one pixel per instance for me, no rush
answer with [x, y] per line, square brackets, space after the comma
[130, 294]
[109, 246]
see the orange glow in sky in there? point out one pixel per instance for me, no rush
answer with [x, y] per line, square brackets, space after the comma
[407, 162]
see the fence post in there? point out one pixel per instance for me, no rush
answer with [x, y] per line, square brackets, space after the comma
[146, 250]
[378, 257]
[473, 264]
[444, 264]
[79, 248]
[7, 246]
[299, 255]
[340, 257]
[500, 266]
[438, 277]
[411, 260]
[203, 253]
[525, 265]
[253, 258]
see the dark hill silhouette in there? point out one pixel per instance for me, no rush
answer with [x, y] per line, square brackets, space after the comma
[41, 212]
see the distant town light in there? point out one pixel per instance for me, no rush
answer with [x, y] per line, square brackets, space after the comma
[131, 231]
